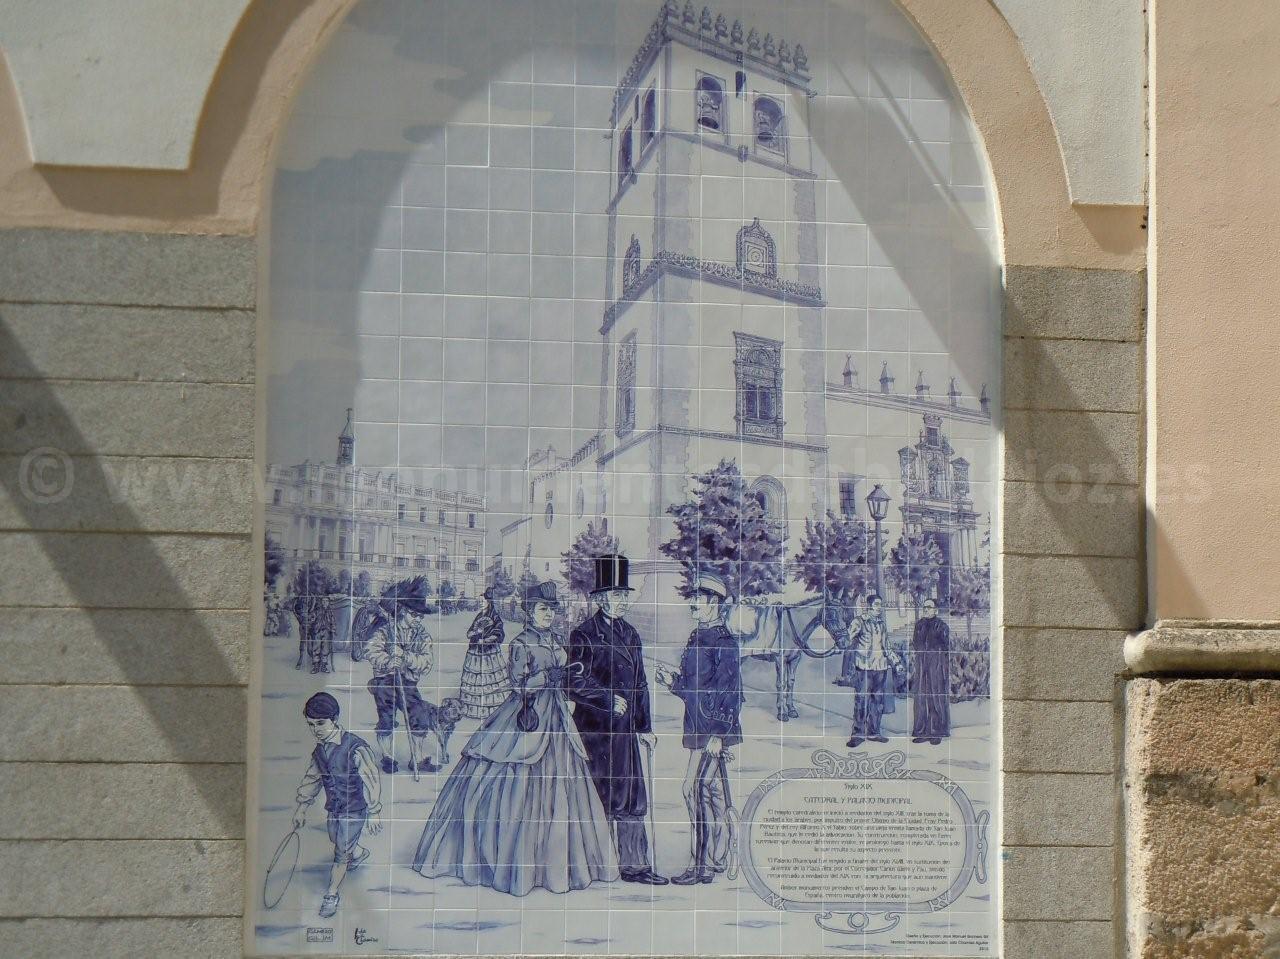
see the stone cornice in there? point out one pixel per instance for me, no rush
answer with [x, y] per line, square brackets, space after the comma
[724, 274]
[1199, 647]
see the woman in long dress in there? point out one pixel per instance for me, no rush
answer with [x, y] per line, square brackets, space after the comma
[484, 686]
[521, 811]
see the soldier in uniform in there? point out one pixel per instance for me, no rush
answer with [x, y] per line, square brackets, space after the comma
[710, 683]
[610, 691]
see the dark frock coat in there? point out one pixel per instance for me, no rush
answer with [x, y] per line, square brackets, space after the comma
[710, 683]
[612, 661]
[931, 678]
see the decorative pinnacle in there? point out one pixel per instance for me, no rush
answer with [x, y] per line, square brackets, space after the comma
[886, 378]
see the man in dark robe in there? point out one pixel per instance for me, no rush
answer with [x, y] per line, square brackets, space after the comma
[931, 677]
[611, 694]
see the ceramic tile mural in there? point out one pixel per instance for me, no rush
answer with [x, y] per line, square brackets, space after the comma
[632, 374]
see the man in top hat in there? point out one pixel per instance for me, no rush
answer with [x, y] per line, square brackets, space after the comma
[710, 683]
[611, 693]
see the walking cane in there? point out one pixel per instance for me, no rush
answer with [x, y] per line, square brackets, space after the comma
[404, 708]
[732, 819]
[653, 830]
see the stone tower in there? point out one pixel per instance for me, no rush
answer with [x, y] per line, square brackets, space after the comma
[712, 332]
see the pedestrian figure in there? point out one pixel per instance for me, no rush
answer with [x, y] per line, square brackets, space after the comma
[344, 767]
[710, 684]
[873, 661]
[930, 677]
[609, 686]
[521, 811]
[400, 652]
[485, 685]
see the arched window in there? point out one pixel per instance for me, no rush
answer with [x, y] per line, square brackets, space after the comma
[708, 102]
[770, 125]
[772, 496]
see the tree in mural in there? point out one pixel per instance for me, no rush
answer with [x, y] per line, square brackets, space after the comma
[833, 558]
[447, 592]
[970, 657]
[579, 566]
[498, 582]
[915, 567]
[273, 564]
[311, 595]
[970, 594]
[723, 527]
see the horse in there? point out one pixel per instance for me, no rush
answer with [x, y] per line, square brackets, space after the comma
[782, 633]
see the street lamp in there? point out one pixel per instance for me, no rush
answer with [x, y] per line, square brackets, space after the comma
[878, 504]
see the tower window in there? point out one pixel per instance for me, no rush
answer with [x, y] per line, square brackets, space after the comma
[649, 120]
[708, 103]
[626, 399]
[740, 83]
[770, 127]
[758, 370]
[625, 162]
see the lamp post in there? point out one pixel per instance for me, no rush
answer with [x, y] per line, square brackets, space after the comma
[878, 505]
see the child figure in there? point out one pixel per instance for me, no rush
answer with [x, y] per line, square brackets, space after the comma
[344, 766]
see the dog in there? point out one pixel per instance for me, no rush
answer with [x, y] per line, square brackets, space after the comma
[444, 721]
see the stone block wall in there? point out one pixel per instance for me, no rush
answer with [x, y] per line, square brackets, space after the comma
[1203, 785]
[1073, 585]
[126, 572]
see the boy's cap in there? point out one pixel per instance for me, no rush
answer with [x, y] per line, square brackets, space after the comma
[321, 706]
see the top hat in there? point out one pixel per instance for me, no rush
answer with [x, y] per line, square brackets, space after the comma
[542, 593]
[612, 570]
[708, 582]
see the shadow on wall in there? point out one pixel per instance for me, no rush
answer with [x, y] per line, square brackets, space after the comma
[106, 584]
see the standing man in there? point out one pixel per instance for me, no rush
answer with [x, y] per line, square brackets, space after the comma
[399, 650]
[611, 693]
[930, 677]
[343, 766]
[873, 661]
[710, 683]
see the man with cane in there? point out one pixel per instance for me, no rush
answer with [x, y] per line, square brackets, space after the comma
[710, 683]
[610, 692]
[399, 650]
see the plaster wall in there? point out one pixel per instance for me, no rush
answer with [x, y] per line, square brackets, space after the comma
[219, 190]
[1216, 346]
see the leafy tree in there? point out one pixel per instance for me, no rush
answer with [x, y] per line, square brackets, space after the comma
[915, 567]
[724, 528]
[579, 566]
[447, 592]
[970, 594]
[312, 579]
[498, 582]
[833, 558]
[273, 563]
